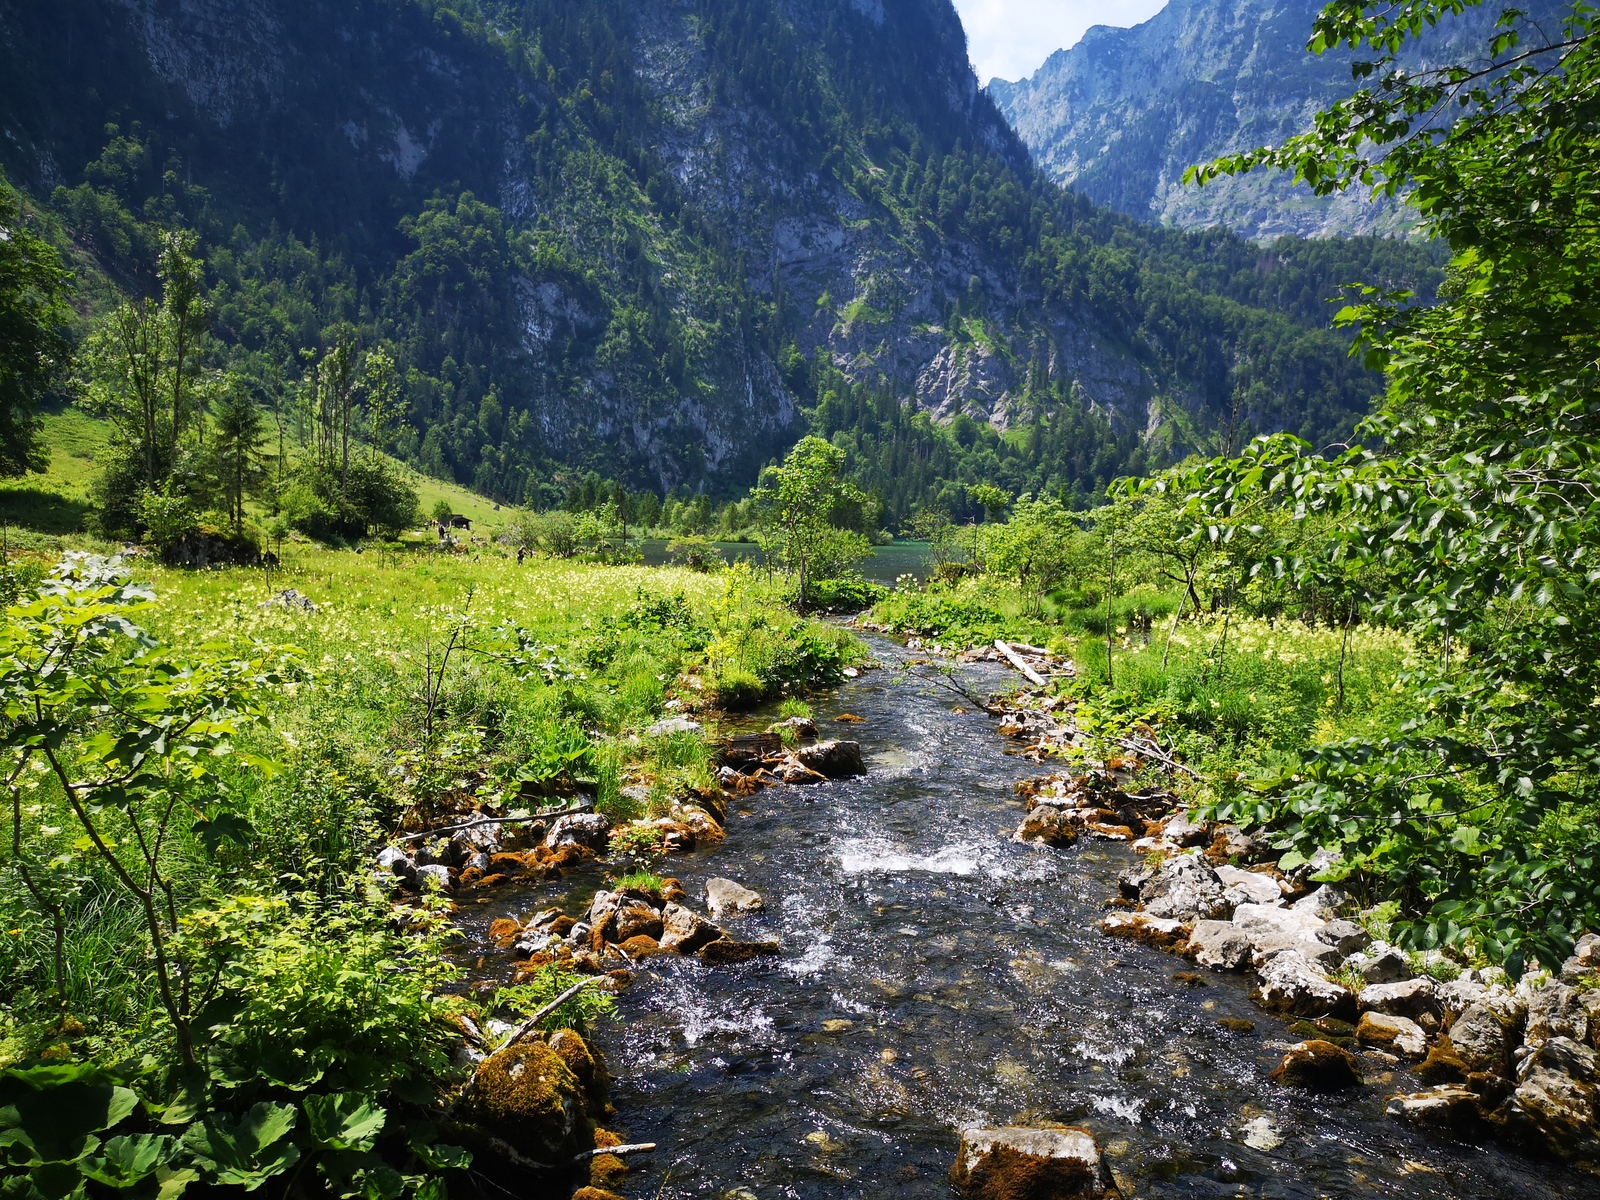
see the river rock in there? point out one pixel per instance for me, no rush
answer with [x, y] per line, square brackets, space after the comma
[1558, 1097]
[1460, 993]
[1266, 943]
[1406, 998]
[725, 951]
[1181, 831]
[1584, 960]
[1276, 916]
[1326, 902]
[1290, 984]
[1381, 963]
[467, 844]
[592, 831]
[435, 875]
[1017, 1163]
[1164, 933]
[1248, 887]
[1220, 945]
[394, 861]
[668, 726]
[1318, 1066]
[634, 919]
[1047, 825]
[1555, 1011]
[801, 727]
[1185, 889]
[1344, 936]
[1450, 1107]
[684, 930]
[527, 1096]
[1400, 1034]
[1483, 1036]
[836, 759]
[1228, 842]
[725, 898]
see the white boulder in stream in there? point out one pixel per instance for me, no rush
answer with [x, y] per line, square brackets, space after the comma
[1018, 1163]
[725, 898]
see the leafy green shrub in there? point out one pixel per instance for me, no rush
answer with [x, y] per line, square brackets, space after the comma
[327, 998]
[522, 1000]
[845, 594]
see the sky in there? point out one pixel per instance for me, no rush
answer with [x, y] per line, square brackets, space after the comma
[1011, 38]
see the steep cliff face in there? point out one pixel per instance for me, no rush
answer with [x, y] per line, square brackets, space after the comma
[624, 233]
[1122, 114]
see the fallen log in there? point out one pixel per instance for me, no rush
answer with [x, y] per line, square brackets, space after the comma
[586, 807]
[1016, 661]
[635, 1148]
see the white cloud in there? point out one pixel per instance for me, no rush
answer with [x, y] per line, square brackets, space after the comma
[1010, 38]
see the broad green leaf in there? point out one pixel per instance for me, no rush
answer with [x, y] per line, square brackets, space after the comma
[345, 1121]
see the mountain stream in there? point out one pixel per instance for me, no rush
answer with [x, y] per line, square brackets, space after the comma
[936, 974]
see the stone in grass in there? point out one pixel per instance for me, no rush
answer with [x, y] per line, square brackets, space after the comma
[725, 898]
[1399, 1034]
[1318, 1066]
[1018, 1163]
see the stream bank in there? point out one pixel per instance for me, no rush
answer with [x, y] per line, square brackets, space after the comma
[934, 974]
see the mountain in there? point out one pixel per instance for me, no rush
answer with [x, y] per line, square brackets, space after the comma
[1121, 114]
[658, 239]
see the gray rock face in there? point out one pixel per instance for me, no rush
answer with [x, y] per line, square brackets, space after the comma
[1450, 1107]
[724, 897]
[1556, 1011]
[1382, 964]
[434, 875]
[1185, 889]
[1220, 945]
[1267, 942]
[1344, 936]
[1290, 984]
[1249, 887]
[1558, 1095]
[1483, 1037]
[684, 930]
[1407, 998]
[1124, 112]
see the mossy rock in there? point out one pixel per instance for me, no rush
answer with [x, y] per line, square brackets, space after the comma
[528, 1097]
[587, 1065]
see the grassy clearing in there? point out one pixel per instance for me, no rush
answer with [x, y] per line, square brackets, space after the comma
[427, 685]
[1239, 697]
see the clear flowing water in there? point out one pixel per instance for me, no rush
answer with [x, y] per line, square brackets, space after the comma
[936, 974]
[884, 565]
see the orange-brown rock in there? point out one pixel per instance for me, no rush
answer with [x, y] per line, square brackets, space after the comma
[594, 1193]
[1318, 1066]
[672, 889]
[512, 863]
[503, 931]
[1019, 1163]
[568, 854]
[469, 877]
[606, 1169]
[640, 945]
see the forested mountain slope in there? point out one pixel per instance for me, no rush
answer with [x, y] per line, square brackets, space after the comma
[657, 239]
[1121, 114]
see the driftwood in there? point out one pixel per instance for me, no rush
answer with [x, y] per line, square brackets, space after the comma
[585, 807]
[1016, 661]
[635, 1148]
[532, 1023]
